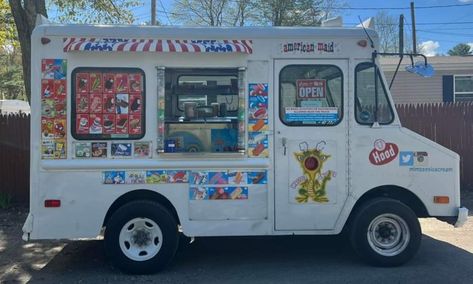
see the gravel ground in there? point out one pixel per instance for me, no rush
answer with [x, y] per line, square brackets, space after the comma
[446, 254]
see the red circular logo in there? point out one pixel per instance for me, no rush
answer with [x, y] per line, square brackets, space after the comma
[311, 163]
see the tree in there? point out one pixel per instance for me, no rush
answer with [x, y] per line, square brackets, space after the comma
[25, 12]
[289, 13]
[11, 78]
[461, 49]
[387, 27]
[331, 7]
[201, 12]
[248, 12]
[241, 12]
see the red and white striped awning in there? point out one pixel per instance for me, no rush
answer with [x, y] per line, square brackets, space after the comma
[157, 45]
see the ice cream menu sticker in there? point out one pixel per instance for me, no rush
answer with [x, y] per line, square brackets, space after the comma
[53, 108]
[258, 120]
[108, 104]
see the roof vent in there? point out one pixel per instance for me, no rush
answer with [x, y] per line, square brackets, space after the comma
[333, 22]
[41, 20]
[368, 24]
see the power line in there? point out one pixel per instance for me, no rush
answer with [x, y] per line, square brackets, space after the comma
[165, 12]
[401, 8]
[424, 24]
[445, 33]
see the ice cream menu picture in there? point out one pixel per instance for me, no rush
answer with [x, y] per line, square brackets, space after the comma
[108, 103]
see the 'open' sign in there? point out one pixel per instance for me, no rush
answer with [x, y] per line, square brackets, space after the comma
[310, 89]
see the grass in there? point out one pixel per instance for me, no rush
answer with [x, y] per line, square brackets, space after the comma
[5, 200]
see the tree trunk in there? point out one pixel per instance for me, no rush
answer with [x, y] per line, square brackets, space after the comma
[25, 18]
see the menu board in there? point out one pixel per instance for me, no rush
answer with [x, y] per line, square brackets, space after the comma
[108, 103]
[53, 109]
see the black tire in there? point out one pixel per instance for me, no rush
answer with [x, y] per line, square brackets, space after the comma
[385, 211]
[141, 209]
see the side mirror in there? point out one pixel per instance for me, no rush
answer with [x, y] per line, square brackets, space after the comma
[422, 69]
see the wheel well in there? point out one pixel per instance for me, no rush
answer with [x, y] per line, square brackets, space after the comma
[395, 192]
[391, 191]
[140, 194]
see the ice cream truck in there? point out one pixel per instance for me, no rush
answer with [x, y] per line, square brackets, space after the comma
[140, 134]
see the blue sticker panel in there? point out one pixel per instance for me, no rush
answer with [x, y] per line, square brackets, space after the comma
[311, 114]
[406, 158]
[218, 178]
[199, 177]
[121, 149]
[228, 193]
[114, 177]
[259, 177]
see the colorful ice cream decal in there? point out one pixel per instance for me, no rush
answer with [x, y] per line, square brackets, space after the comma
[312, 185]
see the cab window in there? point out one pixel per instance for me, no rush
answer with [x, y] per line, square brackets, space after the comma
[365, 99]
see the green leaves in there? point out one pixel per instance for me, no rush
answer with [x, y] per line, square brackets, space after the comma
[94, 12]
[461, 49]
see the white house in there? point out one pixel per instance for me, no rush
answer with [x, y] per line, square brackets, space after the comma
[14, 106]
[452, 82]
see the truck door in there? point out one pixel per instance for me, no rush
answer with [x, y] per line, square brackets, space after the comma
[311, 137]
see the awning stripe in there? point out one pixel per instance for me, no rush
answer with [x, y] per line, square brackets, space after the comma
[156, 45]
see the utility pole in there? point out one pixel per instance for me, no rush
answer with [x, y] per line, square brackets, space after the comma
[401, 34]
[153, 12]
[414, 39]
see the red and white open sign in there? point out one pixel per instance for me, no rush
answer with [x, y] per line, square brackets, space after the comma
[310, 89]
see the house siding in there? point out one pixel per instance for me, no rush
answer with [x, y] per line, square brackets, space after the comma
[410, 88]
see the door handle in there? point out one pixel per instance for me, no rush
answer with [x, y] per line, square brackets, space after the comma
[284, 145]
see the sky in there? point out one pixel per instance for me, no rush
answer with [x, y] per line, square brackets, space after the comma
[434, 37]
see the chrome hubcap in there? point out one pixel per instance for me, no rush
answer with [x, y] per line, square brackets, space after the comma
[141, 239]
[388, 234]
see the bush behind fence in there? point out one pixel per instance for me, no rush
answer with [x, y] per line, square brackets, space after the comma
[449, 124]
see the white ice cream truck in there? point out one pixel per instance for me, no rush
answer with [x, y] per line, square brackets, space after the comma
[140, 133]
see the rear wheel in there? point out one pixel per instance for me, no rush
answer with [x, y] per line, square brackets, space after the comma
[141, 237]
[385, 232]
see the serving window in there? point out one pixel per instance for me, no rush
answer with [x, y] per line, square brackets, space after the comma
[108, 103]
[203, 111]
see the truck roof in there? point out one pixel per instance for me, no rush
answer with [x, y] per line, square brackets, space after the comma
[171, 32]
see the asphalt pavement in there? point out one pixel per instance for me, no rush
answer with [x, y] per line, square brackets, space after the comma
[446, 256]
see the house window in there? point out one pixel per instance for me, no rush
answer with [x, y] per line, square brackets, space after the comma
[463, 88]
[108, 103]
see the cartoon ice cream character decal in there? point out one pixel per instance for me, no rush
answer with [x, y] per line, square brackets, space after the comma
[311, 162]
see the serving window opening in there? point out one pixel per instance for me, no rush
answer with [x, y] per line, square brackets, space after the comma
[202, 111]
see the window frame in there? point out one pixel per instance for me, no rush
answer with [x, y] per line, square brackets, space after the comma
[455, 86]
[385, 94]
[99, 137]
[342, 101]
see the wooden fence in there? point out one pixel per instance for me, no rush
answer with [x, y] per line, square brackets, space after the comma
[15, 156]
[449, 124]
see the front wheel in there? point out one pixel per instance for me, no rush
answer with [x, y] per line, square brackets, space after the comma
[141, 237]
[385, 232]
